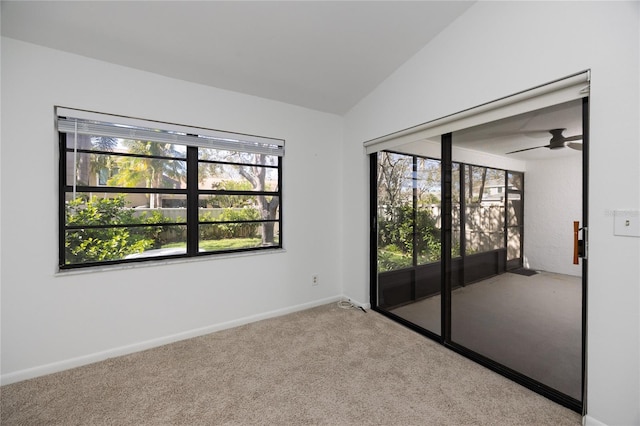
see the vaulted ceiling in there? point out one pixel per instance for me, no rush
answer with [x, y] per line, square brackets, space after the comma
[324, 55]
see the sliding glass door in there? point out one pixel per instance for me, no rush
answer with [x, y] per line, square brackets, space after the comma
[408, 249]
[472, 246]
[519, 304]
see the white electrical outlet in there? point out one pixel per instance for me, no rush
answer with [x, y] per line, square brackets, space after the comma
[314, 280]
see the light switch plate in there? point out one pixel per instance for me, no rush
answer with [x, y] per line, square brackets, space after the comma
[626, 223]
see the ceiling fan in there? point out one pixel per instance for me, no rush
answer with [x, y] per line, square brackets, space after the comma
[557, 141]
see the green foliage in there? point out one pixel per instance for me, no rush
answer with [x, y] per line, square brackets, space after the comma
[428, 237]
[101, 244]
[115, 243]
[161, 235]
[396, 238]
[390, 259]
[228, 201]
[241, 229]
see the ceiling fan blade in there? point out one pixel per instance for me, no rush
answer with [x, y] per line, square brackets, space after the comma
[535, 134]
[576, 146]
[528, 149]
[573, 138]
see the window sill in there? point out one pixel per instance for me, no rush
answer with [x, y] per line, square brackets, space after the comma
[164, 262]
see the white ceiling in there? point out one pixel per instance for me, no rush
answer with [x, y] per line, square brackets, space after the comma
[323, 55]
[524, 131]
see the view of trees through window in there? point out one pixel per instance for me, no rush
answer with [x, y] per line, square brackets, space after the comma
[409, 210]
[130, 199]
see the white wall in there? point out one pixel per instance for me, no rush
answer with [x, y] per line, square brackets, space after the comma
[552, 201]
[499, 48]
[52, 321]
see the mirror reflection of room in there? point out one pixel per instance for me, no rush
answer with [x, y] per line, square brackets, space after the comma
[516, 188]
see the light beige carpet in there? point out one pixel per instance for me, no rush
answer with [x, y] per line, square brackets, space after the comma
[321, 366]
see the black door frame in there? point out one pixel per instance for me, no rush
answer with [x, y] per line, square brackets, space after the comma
[446, 269]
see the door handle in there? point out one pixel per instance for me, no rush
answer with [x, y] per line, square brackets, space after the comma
[576, 229]
[578, 244]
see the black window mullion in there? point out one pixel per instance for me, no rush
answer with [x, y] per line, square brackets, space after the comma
[280, 230]
[62, 218]
[124, 190]
[505, 203]
[193, 197]
[233, 192]
[463, 218]
[123, 154]
[222, 222]
[373, 229]
[414, 204]
[124, 225]
[521, 221]
[446, 205]
[231, 163]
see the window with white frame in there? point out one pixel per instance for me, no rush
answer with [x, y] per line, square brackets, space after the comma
[133, 190]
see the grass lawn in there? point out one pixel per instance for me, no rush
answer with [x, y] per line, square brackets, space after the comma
[392, 260]
[217, 245]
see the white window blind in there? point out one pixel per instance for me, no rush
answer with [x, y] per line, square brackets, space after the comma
[559, 91]
[74, 121]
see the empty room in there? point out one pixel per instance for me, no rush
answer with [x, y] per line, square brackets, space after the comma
[420, 212]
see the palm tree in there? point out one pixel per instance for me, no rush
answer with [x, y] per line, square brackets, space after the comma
[101, 162]
[104, 143]
[150, 172]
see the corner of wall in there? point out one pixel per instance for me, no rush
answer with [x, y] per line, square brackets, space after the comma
[587, 420]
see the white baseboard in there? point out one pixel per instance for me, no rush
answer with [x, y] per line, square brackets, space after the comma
[55, 367]
[590, 421]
